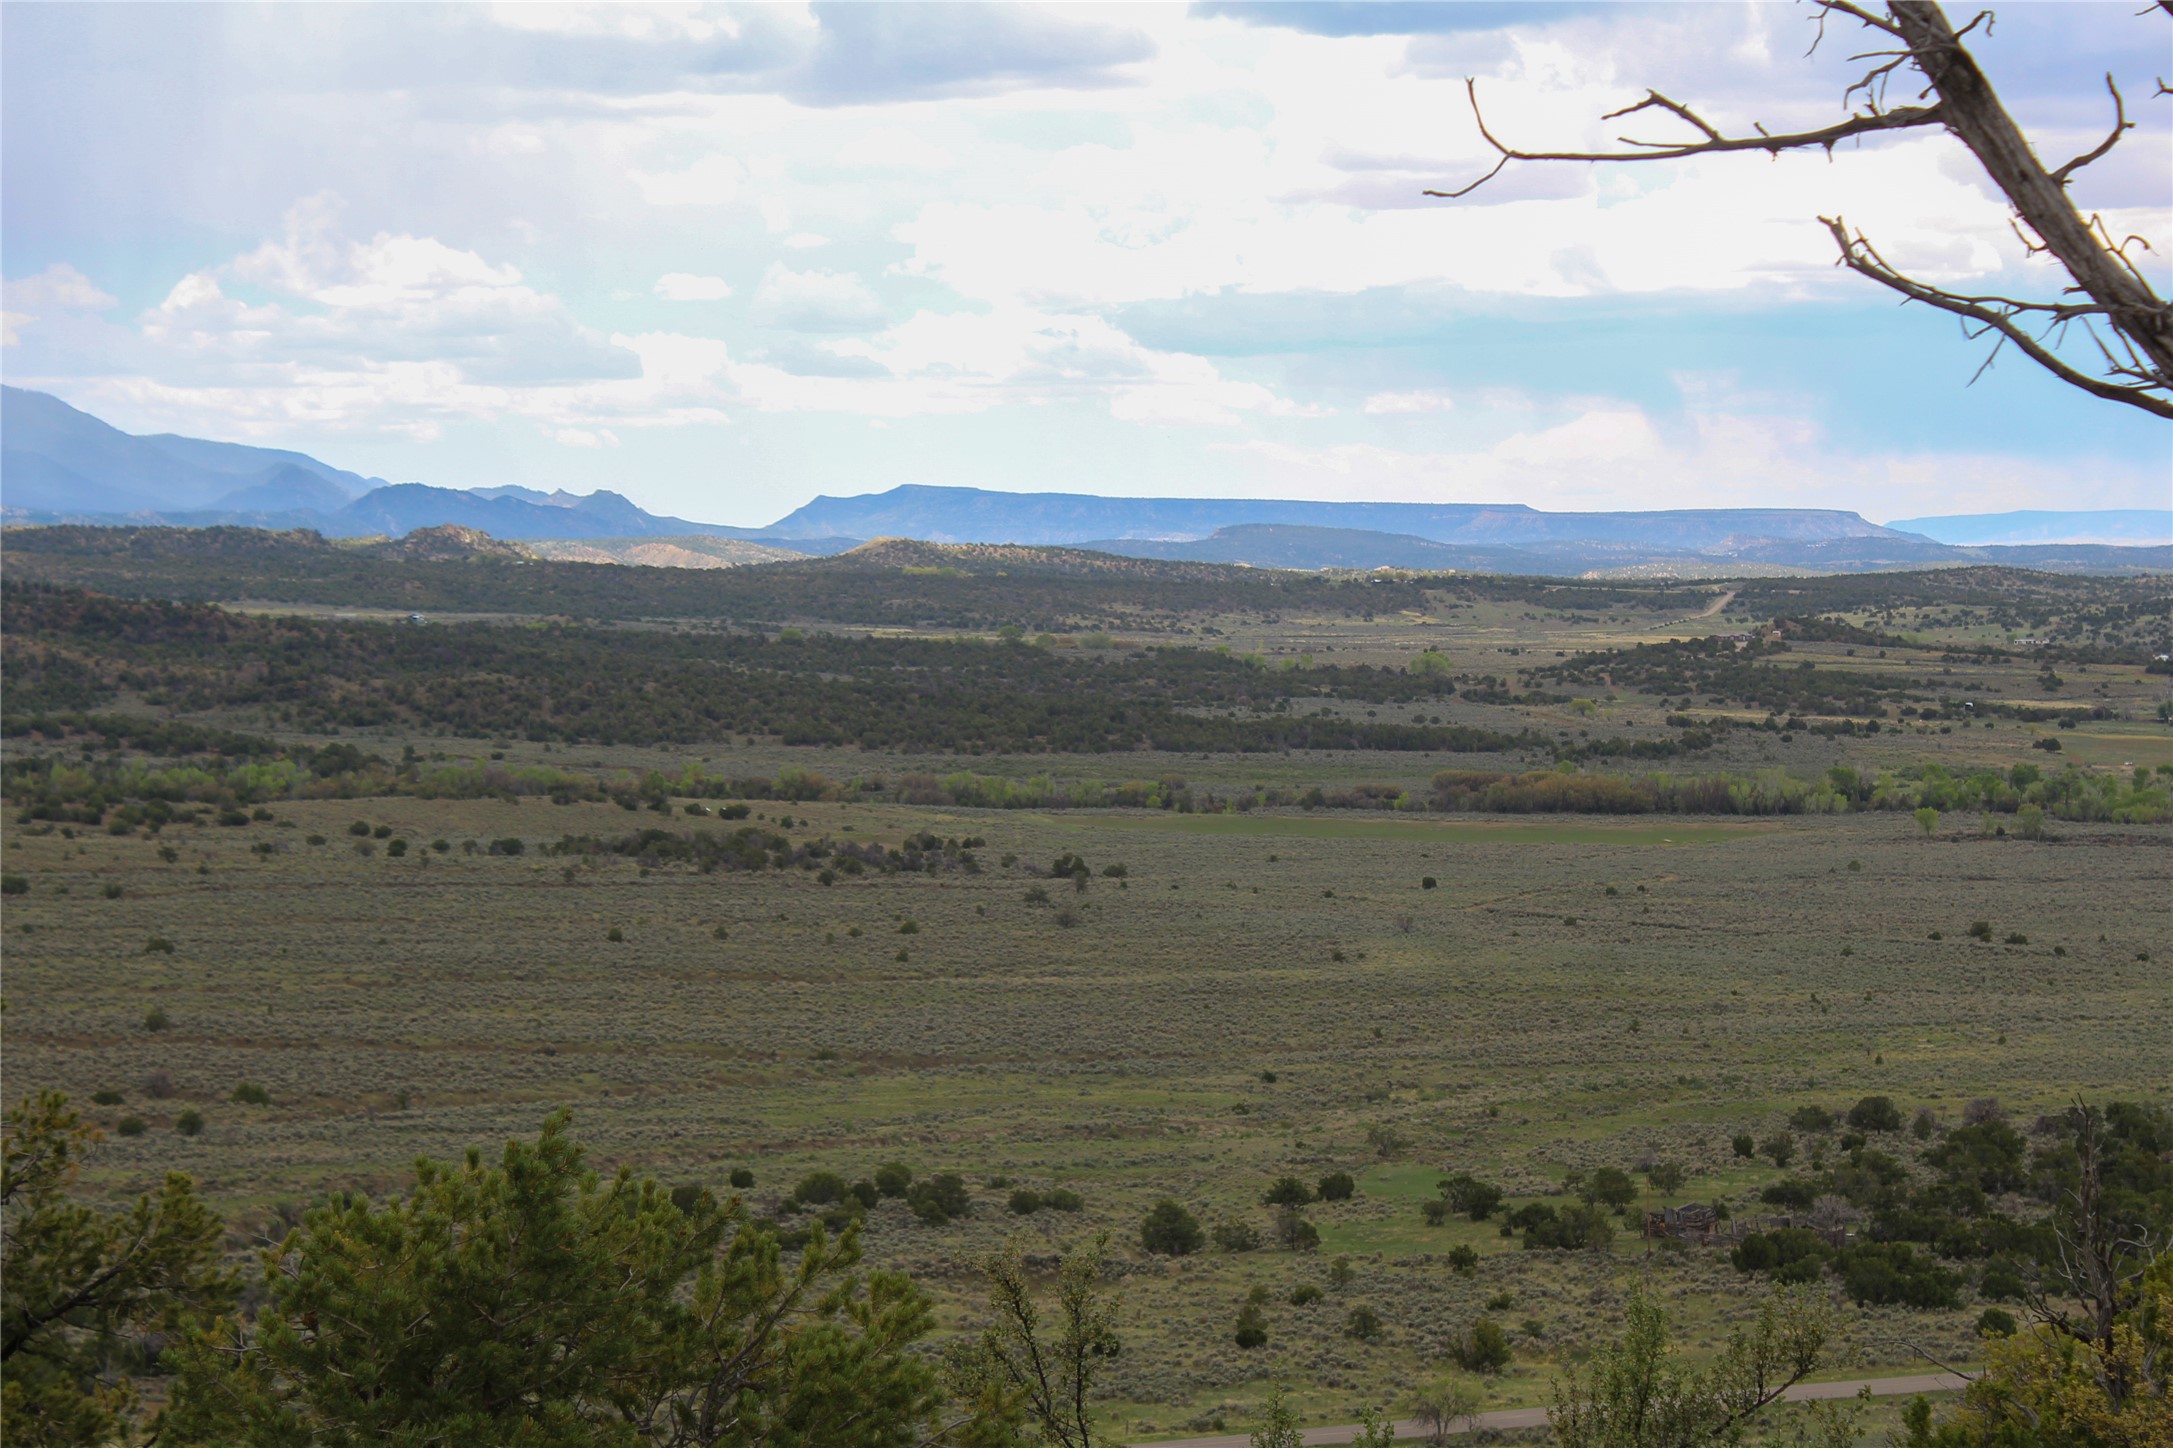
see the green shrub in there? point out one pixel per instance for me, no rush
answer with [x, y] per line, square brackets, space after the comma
[742, 1178]
[1024, 1202]
[892, 1178]
[1252, 1327]
[158, 945]
[360, 829]
[1288, 1191]
[1063, 1199]
[820, 1188]
[396, 848]
[1811, 1120]
[1337, 1186]
[1875, 1113]
[13, 885]
[129, 1126]
[1305, 1294]
[1435, 1212]
[249, 1093]
[1743, 1145]
[1170, 1230]
[156, 1019]
[940, 1198]
[1467, 1194]
[1463, 1259]
[190, 1122]
[1996, 1322]
[1481, 1348]
[1363, 1325]
[1237, 1237]
[106, 1096]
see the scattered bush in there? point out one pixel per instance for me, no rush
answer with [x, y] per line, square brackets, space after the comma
[1743, 1145]
[249, 1093]
[742, 1178]
[1063, 1199]
[129, 1126]
[1476, 1199]
[1481, 1348]
[1024, 1202]
[1875, 1113]
[190, 1122]
[1288, 1191]
[1463, 1259]
[1996, 1322]
[1305, 1294]
[106, 1096]
[820, 1188]
[1252, 1327]
[1170, 1230]
[1363, 1325]
[1811, 1120]
[1337, 1186]
[156, 1019]
[1237, 1237]
[893, 1178]
[940, 1198]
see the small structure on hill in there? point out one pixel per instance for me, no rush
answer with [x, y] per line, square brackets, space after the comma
[1690, 1222]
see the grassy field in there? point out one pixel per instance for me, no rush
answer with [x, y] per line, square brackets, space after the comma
[1571, 994]
[1402, 996]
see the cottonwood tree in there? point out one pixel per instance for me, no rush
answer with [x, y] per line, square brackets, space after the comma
[2107, 294]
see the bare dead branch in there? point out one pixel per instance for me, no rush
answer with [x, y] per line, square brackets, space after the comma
[1826, 137]
[2138, 354]
[1856, 12]
[1997, 314]
[2120, 123]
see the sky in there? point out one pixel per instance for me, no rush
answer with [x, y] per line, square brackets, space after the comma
[725, 259]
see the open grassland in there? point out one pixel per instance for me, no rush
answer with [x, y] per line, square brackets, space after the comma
[1403, 994]
[1570, 994]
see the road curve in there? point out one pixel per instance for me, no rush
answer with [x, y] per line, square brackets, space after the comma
[1410, 1431]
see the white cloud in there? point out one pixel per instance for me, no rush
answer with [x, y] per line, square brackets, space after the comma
[687, 287]
[60, 288]
[1388, 404]
[816, 301]
[712, 181]
[582, 437]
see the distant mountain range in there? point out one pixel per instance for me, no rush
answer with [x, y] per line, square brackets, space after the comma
[63, 465]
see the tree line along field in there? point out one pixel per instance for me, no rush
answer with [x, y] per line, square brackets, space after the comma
[742, 910]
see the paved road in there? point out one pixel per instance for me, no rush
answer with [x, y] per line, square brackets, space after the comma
[1410, 1431]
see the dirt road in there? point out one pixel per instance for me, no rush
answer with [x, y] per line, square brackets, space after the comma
[1409, 1431]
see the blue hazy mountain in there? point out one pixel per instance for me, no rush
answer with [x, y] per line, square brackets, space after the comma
[2110, 525]
[976, 515]
[58, 459]
[62, 464]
